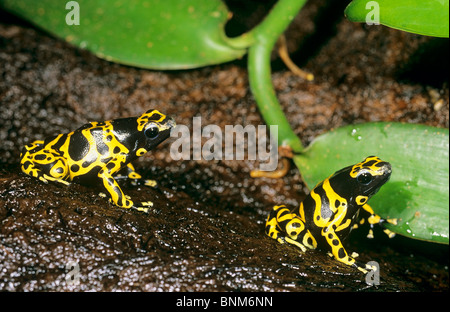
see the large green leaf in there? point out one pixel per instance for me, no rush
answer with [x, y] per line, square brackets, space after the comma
[424, 17]
[418, 191]
[158, 34]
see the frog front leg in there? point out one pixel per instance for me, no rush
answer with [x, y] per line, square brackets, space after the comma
[117, 196]
[376, 219]
[136, 178]
[339, 252]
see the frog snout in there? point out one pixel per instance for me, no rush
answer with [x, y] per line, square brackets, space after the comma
[171, 123]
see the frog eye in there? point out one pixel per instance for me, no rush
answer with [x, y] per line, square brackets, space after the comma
[152, 132]
[364, 178]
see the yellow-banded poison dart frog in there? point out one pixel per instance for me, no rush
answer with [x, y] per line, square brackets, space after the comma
[96, 151]
[327, 215]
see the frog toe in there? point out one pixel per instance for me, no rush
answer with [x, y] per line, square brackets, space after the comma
[53, 179]
[143, 206]
[41, 178]
[364, 267]
[370, 234]
[393, 221]
[146, 182]
[296, 243]
[141, 209]
[389, 233]
[360, 268]
[151, 183]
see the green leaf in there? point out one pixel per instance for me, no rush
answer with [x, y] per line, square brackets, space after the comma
[424, 17]
[418, 191]
[157, 34]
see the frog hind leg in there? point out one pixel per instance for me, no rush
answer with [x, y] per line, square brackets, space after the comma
[27, 162]
[33, 163]
[117, 197]
[285, 226]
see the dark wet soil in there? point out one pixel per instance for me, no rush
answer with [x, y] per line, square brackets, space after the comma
[206, 230]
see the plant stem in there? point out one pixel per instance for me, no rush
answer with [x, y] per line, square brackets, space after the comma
[266, 100]
[264, 37]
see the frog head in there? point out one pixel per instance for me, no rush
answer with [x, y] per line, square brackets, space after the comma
[370, 175]
[363, 180]
[155, 126]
